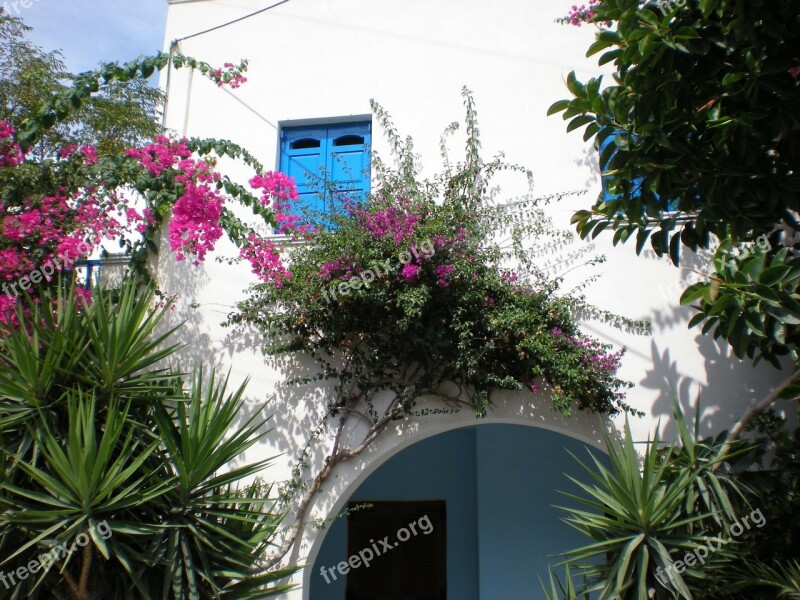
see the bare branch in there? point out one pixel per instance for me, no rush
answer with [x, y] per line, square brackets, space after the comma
[740, 425]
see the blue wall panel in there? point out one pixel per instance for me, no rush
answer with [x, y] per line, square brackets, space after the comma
[500, 483]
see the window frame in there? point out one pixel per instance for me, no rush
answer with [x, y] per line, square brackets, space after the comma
[327, 131]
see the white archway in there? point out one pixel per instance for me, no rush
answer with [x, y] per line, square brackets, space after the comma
[508, 410]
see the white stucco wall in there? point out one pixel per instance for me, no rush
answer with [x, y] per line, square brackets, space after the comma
[326, 58]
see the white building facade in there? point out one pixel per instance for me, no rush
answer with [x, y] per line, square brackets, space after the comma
[487, 487]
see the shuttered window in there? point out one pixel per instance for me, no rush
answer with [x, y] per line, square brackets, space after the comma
[415, 568]
[322, 158]
[608, 149]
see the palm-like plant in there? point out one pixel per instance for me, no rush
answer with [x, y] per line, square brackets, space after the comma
[644, 513]
[115, 479]
[781, 580]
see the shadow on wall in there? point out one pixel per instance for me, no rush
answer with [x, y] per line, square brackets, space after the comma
[589, 161]
[730, 385]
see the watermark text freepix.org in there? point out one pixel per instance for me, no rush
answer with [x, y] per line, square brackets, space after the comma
[366, 277]
[17, 6]
[55, 555]
[701, 552]
[38, 275]
[367, 555]
[665, 6]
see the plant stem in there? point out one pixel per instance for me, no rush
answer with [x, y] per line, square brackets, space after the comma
[336, 456]
[740, 425]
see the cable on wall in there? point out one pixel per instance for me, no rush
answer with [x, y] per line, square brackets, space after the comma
[253, 14]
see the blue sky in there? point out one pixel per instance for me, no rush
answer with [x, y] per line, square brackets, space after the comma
[88, 32]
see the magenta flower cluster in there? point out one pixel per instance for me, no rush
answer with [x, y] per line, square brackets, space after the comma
[48, 234]
[10, 153]
[443, 273]
[344, 268]
[395, 221]
[594, 354]
[195, 225]
[280, 191]
[410, 272]
[57, 230]
[579, 15]
[265, 258]
[230, 75]
[161, 155]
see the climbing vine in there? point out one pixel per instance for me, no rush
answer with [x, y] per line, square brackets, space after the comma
[409, 296]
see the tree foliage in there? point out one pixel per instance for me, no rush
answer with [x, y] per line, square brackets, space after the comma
[699, 139]
[120, 116]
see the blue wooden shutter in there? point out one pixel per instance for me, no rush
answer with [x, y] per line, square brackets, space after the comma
[303, 151]
[607, 150]
[349, 150]
[337, 154]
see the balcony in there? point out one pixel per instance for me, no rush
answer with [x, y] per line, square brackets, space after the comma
[105, 272]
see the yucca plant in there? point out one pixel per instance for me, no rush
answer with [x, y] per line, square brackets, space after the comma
[642, 513]
[116, 478]
[562, 590]
[779, 580]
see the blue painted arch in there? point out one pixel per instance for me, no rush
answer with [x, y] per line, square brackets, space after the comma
[500, 483]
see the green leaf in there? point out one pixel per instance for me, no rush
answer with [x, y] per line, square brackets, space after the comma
[580, 122]
[708, 7]
[574, 86]
[557, 107]
[772, 276]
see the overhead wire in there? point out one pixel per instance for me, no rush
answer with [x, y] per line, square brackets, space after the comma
[177, 41]
[215, 28]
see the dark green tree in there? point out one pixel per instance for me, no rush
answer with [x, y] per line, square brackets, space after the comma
[699, 142]
[123, 114]
[699, 139]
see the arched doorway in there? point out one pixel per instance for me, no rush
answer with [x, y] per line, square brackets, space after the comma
[471, 508]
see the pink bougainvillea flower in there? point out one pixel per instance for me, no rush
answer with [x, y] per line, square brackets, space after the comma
[162, 154]
[89, 155]
[71, 249]
[410, 272]
[10, 153]
[230, 74]
[194, 227]
[443, 273]
[275, 186]
[265, 258]
[67, 151]
[83, 295]
[8, 315]
[395, 222]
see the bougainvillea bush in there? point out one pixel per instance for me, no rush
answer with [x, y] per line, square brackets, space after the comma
[60, 210]
[408, 285]
[407, 297]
